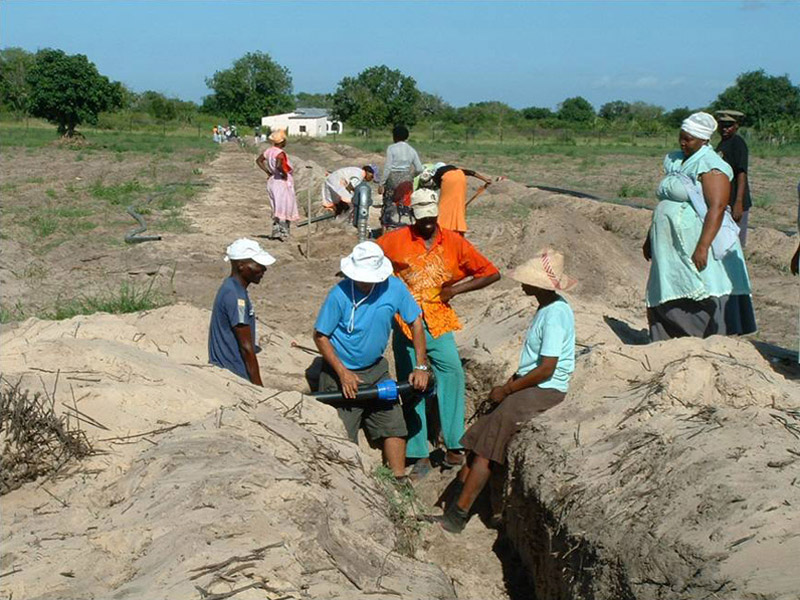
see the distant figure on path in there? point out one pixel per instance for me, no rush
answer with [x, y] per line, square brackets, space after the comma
[698, 284]
[546, 363]
[733, 150]
[402, 164]
[337, 189]
[280, 185]
[352, 332]
[232, 341]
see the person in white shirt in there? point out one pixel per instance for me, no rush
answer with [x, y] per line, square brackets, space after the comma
[337, 189]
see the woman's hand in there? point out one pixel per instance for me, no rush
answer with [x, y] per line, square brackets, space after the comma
[700, 257]
[380, 190]
[499, 393]
[646, 249]
[446, 294]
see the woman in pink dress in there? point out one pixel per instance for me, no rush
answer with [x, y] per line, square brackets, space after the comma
[280, 185]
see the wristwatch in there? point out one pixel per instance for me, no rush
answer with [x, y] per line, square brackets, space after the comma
[421, 367]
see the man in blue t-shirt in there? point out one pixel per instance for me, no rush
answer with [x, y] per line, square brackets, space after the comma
[352, 332]
[232, 340]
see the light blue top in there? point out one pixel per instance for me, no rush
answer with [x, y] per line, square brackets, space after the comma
[400, 156]
[675, 231]
[358, 324]
[551, 333]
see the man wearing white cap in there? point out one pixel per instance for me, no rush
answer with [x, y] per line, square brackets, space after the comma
[232, 333]
[352, 332]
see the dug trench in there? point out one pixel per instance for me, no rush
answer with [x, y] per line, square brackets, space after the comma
[670, 471]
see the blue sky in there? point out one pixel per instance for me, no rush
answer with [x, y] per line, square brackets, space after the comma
[523, 53]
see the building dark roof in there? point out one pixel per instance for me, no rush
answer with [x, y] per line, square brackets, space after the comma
[310, 113]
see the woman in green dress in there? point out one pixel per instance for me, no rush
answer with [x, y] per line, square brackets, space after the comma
[698, 284]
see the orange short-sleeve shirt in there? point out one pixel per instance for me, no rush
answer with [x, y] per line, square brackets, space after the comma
[450, 259]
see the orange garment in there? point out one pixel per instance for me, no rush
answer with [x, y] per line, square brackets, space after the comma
[453, 201]
[450, 259]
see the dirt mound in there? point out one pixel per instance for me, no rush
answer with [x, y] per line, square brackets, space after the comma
[203, 481]
[675, 478]
[617, 278]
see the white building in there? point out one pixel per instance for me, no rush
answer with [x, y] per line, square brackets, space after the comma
[313, 122]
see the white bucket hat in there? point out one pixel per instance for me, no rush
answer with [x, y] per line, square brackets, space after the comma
[545, 270]
[367, 264]
[425, 203]
[243, 249]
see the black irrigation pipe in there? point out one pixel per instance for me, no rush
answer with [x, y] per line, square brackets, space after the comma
[134, 235]
[585, 196]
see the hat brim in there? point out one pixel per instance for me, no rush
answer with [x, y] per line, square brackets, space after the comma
[424, 211]
[264, 258]
[351, 270]
[542, 281]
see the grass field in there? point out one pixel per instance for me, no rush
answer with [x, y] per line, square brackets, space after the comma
[615, 168]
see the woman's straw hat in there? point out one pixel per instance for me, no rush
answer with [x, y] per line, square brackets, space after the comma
[278, 136]
[545, 270]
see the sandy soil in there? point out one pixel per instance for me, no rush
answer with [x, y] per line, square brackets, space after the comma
[124, 513]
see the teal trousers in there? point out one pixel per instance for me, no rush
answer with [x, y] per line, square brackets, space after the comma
[450, 390]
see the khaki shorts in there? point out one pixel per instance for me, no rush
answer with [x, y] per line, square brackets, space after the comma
[379, 419]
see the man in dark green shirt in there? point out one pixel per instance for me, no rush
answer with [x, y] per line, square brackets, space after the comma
[733, 150]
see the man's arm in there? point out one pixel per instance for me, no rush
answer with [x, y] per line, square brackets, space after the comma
[244, 337]
[418, 377]
[542, 372]
[467, 285]
[348, 379]
[738, 204]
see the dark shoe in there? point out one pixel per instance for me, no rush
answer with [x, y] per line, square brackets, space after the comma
[419, 471]
[453, 459]
[454, 519]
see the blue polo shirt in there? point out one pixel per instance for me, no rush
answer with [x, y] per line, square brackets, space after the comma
[231, 308]
[361, 337]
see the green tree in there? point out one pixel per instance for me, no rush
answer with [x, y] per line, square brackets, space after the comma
[431, 106]
[255, 86]
[536, 113]
[675, 117]
[306, 100]
[762, 98]
[15, 92]
[67, 90]
[377, 97]
[576, 110]
[618, 110]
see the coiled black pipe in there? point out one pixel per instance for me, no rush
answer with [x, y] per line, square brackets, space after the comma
[134, 235]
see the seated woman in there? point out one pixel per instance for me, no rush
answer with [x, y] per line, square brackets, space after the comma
[698, 284]
[546, 363]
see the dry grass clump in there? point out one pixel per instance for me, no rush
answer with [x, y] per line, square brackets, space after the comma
[34, 440]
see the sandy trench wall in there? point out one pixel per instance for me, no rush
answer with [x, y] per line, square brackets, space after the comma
[676, 479]
[223, 485]
[672, 470]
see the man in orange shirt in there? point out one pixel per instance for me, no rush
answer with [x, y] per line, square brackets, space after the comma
[436, 264]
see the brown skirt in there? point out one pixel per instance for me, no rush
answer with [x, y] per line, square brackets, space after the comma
[490, 434]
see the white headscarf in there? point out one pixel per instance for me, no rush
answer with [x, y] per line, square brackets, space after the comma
[700, 125]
